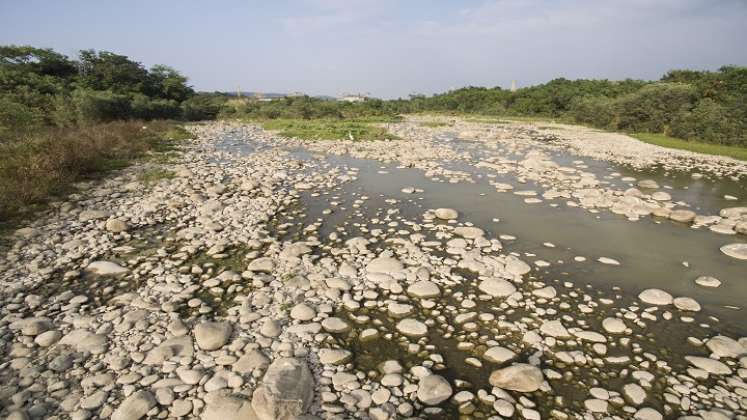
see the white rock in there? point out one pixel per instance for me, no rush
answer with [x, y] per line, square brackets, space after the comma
[656, 297]
[517, 377]
[433, 389]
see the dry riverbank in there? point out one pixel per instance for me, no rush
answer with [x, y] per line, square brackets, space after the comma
[276, 278]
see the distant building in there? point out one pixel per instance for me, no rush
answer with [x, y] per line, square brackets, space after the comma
[513, 86]
[358, 97]
[295, 95]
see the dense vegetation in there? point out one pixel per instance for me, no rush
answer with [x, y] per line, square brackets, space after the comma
[62, 120]
[709, 106]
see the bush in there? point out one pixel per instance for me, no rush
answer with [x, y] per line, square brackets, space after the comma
[39, 164]
[145, 108]
[597, 111]
[101, 106]
[201, 107]
[17, 118]
[653, 108]
[708, 121]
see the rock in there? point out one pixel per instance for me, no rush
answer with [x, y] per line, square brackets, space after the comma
[738, 251]
[709, 365]
[656, 297]
[87, 215]
[116, 225]
[286, 391]
[595, 405]
[424, 289]
[85, 341]
[708, 281]
[498, 354]
[614, 325]
[555, 329]
[212, 335]
[302, 312]
[412, 327]
[173, 347]
[686, 304]
[547, 292]
[648, 184]
[135, 406]
[261, 265]
[592, 336]
[253, 359]
[270, 328]
[469, 232]
[106, 268]
[446, 214]
[47, 338]
[496, 287]
[335, 325]
[433, 390]
[384, 265]
[33, 326]
[516, 266]
[682, 216]
[608, 261]
[334, 356]
[518, 377]
[722, 346]
[221, 405]
[634, 393]
[647, 413]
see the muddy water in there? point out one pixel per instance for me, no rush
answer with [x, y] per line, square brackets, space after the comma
[652, 252]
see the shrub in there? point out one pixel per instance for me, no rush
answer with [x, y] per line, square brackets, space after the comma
[100, 106]
[654, 107]
[16, 118]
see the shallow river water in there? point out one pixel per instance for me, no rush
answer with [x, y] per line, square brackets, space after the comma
[653, 253]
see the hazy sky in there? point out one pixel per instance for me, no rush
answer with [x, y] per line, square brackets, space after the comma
[391, 48]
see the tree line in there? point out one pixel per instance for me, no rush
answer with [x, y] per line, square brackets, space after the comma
[43, 87]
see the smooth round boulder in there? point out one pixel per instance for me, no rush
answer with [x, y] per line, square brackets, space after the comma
[682, 216]
[738, 251]
[212, 335]
[498, 354]
[424, 289]
[519, 377]
[412, 327]
[302, 312]
[446, 214]
[708, 281]
[335, 325]
[614, 325]
[656, 297]
[433, 390]
[686, 304]
[496, 287]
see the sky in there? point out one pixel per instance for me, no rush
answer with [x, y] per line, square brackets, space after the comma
[390, 48]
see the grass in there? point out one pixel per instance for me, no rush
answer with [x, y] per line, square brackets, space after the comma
[152, 176]
[43, 165]
[329, 129]
[692, 146]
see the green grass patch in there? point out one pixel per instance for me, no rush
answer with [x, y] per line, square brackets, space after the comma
[329, 129]
[692, 146]
[152, 176]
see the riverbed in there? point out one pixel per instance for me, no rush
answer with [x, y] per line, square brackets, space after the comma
[465, 270]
